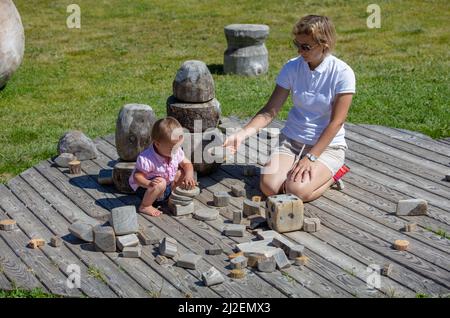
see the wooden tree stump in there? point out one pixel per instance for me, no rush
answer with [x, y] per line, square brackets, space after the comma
[75, 167]
[207, 113]
[121, 174]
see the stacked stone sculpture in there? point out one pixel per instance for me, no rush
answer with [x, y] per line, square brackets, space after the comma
[246, 53]
[194, 105]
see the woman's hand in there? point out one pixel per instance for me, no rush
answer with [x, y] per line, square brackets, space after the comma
[234, 141]
[302, 170]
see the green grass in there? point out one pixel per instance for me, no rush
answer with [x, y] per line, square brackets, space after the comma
[129, 51]
[21, 293]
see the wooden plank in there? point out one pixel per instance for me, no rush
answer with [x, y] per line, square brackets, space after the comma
[16, 271]
[5, 284]
[288, 291]
[397, 287]
[410, 138]
[255, 286]
[42, 266]
[353, 267]
[151, 281]
[400, 274]
[109, 201]
[402, 165]
[412, 149]
[421, 162]
[70, 190]
[40, 224]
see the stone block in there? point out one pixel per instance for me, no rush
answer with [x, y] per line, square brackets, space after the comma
[212, 277]
[280, 259]
[124, 220]
[284, 213]
[237, 217]
[130, 240]
[239, 262]
[310, 224]
[82, 231]
[78, 144]
[387, 269]
[56, 241]
[238, 190]
[168, 247]
[173, 201]
[296, 251]
[253, 259]
[214, 250]
[237, 273]
[236, 230]
[191, 193]
[266, 235]
[193, 82]
[263, 247]
[161, 260]
[412, 207]
[250, 207]
[104, 238]
[221, 199]
[148, 236]
[132, 252]
[206, 214]
[179, 210]
[267, 264]
[189, 261]
[256, 221]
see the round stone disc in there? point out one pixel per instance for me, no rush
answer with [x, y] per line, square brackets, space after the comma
[206, 214]
[187, 193]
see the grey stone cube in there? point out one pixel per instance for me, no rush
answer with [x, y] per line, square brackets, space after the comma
[130, 240]
[124, 220]
[212, 277]
[189, 261]
[104, 238]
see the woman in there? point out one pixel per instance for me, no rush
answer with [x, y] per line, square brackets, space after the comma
[312, 145]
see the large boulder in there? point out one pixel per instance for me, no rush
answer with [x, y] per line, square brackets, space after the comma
[12, 40]
[193, 83]
[134, 130]
[78, 144]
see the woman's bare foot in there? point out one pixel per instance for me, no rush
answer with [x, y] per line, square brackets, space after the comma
[150, 210]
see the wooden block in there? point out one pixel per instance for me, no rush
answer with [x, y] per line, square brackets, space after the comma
[238, 190]
[410, 227]
[256, 198]
[253, 259]
[387, 269]
[189, 260]
[237, 217]
[301, 261]
[8, 225]
[237, 230]
[75, 167]
[121, 174]
[214, 250]
[161, 260]
[310, 224]
[148, 236]
[234, 255]
[401, 245]
[221, 199]
[237, 273]
[56, 241]
[284, 212]
[239, 262]
[267, 264]
[35, 243]
[412, 207]
[251, 207]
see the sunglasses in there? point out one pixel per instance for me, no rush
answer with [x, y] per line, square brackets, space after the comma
[303, 47]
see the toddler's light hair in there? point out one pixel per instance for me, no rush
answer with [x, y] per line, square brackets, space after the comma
[166, 130]
[320, 27]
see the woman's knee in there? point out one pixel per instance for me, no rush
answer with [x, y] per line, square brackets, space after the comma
[303, 191]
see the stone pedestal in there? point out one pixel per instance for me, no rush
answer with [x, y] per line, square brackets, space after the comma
[246, 53]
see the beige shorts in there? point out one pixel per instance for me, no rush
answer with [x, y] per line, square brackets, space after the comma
[333, 157]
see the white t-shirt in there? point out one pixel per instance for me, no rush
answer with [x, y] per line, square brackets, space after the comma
[313, 95]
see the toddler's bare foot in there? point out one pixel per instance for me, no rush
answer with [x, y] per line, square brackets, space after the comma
[150, 210]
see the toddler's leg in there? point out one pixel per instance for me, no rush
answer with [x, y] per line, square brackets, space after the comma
[151, 194]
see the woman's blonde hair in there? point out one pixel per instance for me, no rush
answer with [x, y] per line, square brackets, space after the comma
[320, 27]
[163, 130]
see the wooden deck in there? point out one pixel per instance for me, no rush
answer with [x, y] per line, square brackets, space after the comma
[359, 227]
